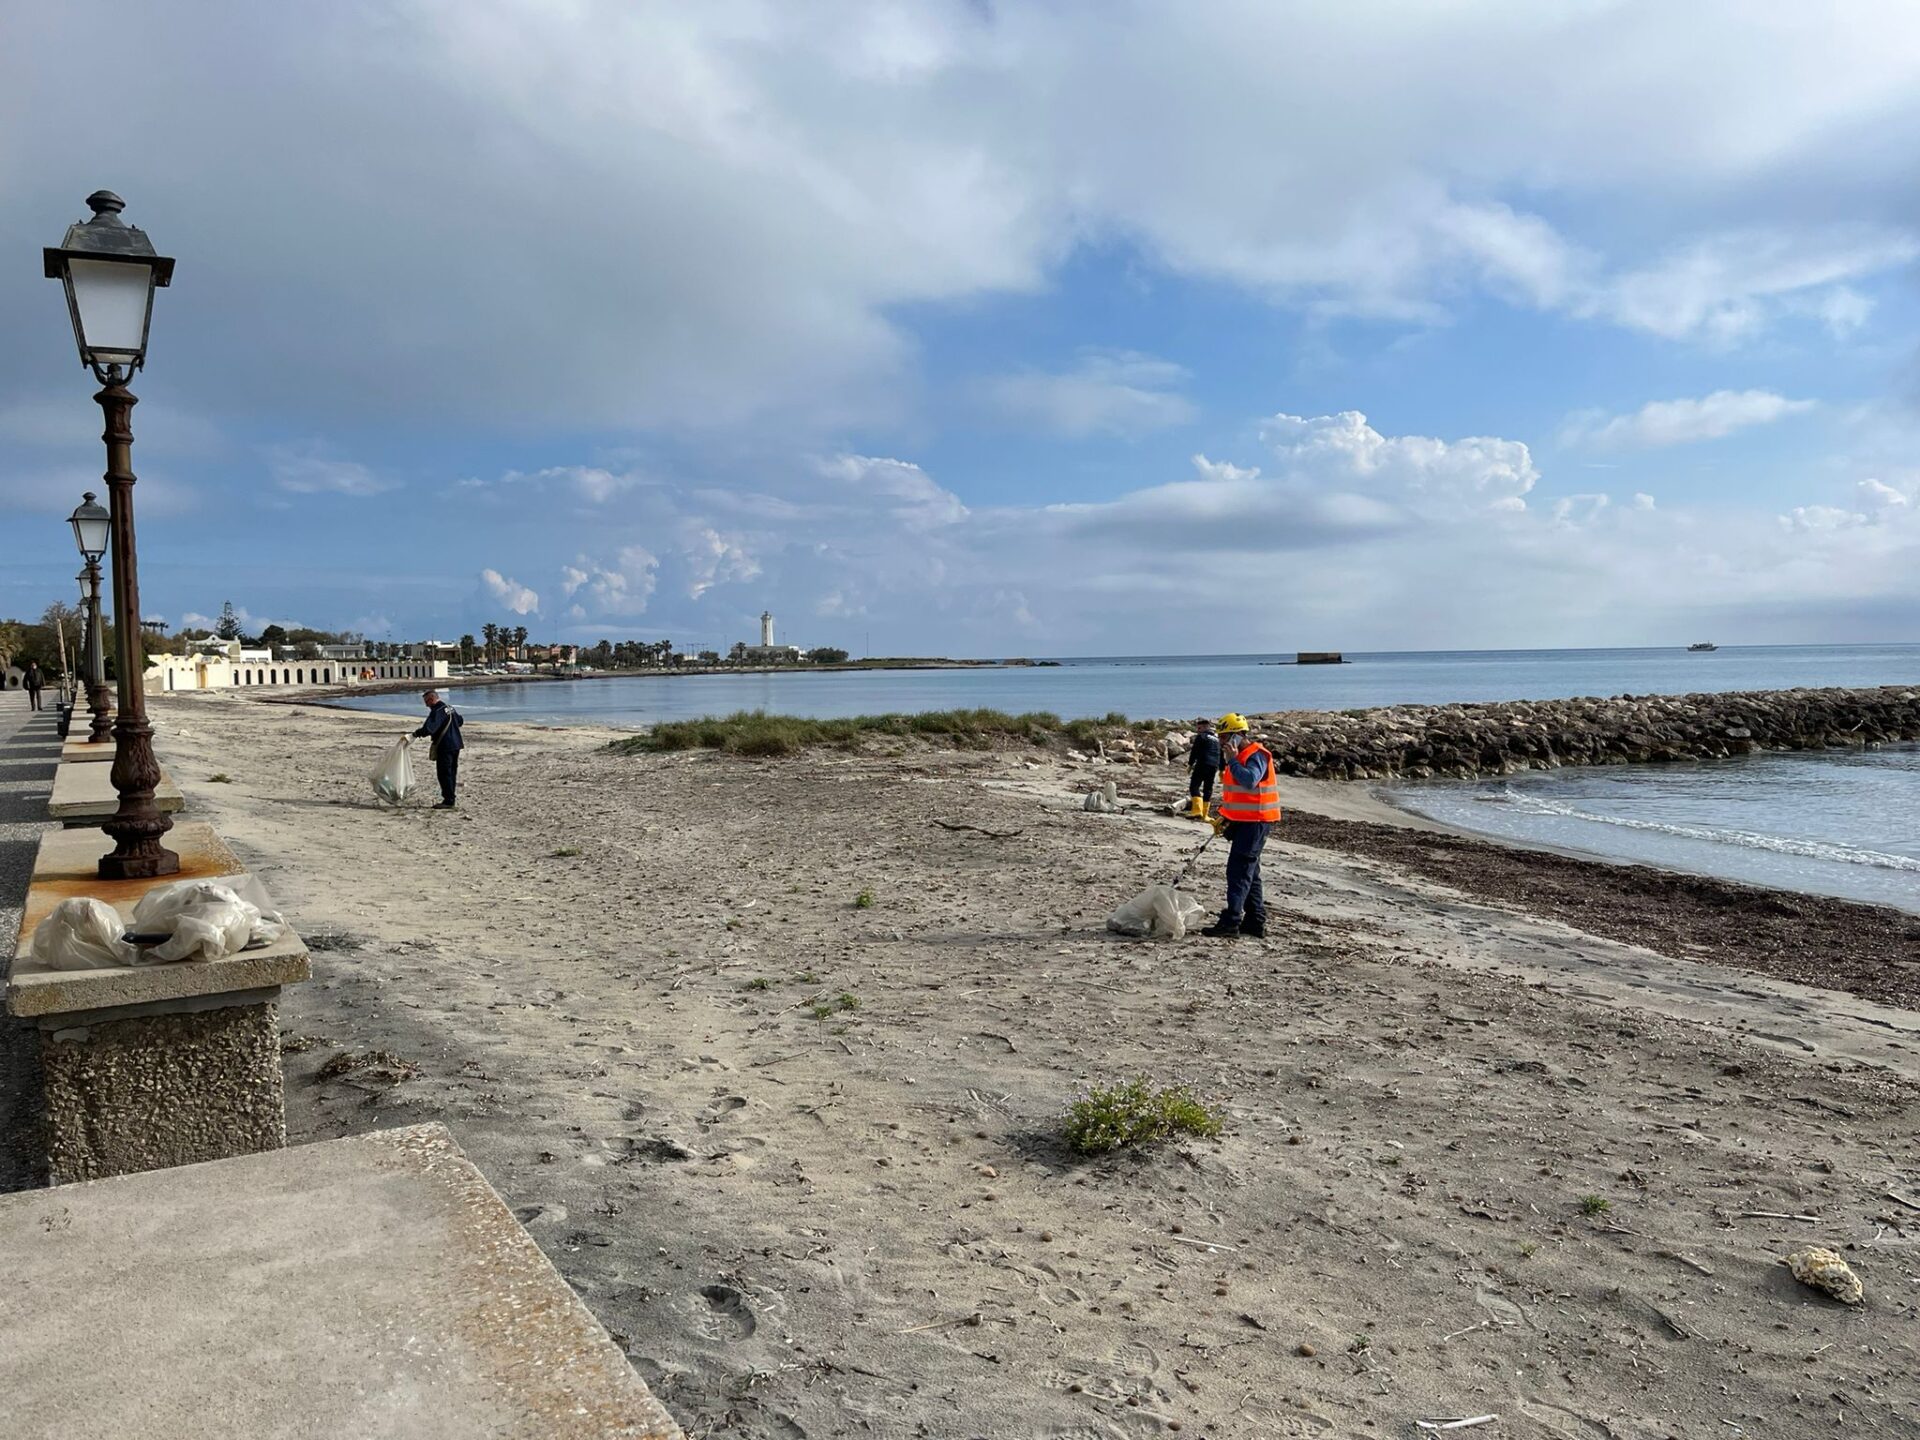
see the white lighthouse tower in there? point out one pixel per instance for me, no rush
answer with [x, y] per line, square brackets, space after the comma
[766, 628]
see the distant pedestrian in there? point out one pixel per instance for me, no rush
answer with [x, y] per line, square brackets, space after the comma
[31, 681]
[1203, 764]
[442, 729]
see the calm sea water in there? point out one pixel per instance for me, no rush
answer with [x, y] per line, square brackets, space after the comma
[1839, 824]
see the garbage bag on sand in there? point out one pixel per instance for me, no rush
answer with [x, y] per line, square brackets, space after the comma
[1107, 797]
[1159, 911]
[82, 934]
[393, 776]
[206, 920]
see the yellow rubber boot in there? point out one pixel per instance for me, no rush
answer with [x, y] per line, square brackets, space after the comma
[1196, 808]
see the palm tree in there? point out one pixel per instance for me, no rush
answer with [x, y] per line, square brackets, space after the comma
[466, 649]
[520, 640]
[492, 633]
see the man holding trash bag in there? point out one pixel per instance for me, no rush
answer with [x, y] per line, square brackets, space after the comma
[1249, 807]
[442, 729]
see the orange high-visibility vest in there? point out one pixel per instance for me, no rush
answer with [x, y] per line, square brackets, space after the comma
[1250, 803]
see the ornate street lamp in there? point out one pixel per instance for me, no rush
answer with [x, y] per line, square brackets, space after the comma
[91, 527]
[110, 271]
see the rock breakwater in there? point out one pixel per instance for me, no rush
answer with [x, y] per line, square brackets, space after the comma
[1503, 737]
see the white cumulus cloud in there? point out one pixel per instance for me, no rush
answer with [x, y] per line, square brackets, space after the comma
[304, 468]
[510, 593]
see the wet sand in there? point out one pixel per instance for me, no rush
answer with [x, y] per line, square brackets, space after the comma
[862, 1221]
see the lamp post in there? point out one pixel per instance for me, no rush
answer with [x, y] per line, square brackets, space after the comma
[91, 528]
[109, 270]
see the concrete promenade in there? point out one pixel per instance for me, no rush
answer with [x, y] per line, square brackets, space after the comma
[29, 751]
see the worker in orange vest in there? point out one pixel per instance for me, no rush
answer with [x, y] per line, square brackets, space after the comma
[1249, 807]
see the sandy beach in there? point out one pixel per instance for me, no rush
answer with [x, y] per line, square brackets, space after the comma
[1502, 1137]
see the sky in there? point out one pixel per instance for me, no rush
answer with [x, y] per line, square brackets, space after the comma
[988, 329]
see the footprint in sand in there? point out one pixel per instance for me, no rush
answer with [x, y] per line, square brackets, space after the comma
[727, 1315]
[721, 1108]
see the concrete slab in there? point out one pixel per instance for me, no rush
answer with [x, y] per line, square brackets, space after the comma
[75, 749]
[84, 792]
[373, 1287]
[65, 867]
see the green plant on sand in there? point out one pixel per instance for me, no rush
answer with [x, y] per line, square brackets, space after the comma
[1595, 1204]
[1134, 1113]
[864, 900]
[220, 778]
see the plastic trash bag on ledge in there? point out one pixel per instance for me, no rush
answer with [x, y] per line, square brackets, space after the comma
[203, 919]
[82, 934]
[1159, 911]
[393, 776]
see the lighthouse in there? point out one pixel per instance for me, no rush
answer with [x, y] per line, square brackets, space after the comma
[766, 628]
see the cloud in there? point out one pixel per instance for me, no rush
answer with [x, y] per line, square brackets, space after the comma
[305, 469]
[1726, 287]
[591, 483]
[714, 559]
[1680, 422]
[620, 588]
[1877, 495]
[900, 489]
[733, 213]
[1118, 393]
[510, 593]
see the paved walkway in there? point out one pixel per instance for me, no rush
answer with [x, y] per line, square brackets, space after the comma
[29, 751]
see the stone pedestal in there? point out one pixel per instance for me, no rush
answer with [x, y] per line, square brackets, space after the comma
[83, 793]
[155, 1065]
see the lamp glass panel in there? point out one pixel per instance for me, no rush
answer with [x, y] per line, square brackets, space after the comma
[111, 297]
[90, 533]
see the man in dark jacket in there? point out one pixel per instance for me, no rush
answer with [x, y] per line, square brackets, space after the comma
[31, 682]
[1203, 764]
[442, 729]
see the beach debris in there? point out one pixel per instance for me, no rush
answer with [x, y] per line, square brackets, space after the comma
[976, 1318]
[980, 830]
[1104, 800]
[1159, 912]
[1900, 1199]
[1462, 1422]
[1777, 1215]
[382, 1065]
[82, 934]
[1820, 1268]
[201, 920]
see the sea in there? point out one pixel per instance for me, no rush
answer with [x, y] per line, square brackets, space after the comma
[1843, 823]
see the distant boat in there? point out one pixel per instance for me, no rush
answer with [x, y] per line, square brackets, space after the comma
[1703, 645]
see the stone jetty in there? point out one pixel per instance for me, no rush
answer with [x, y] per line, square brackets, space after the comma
[1500, 738]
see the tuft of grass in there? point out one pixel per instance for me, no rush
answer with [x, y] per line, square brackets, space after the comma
[864, 900]
[756, 733]
[1528, 1248]
[221, 778]
[1360, 1344]
[843, 1001]
[1595, 1204]
[1134, 1113]
[759, 982]
[565, 852]
[806, 977]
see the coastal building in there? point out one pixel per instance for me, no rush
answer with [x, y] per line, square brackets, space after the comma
[234, 668]
[766, 629]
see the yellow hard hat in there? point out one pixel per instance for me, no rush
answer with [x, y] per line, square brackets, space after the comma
[1231, 722]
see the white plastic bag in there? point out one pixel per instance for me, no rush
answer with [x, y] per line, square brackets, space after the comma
[82, 934]
[393, 776]
[1106, 798]
[206, 920]
[1159, 911]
